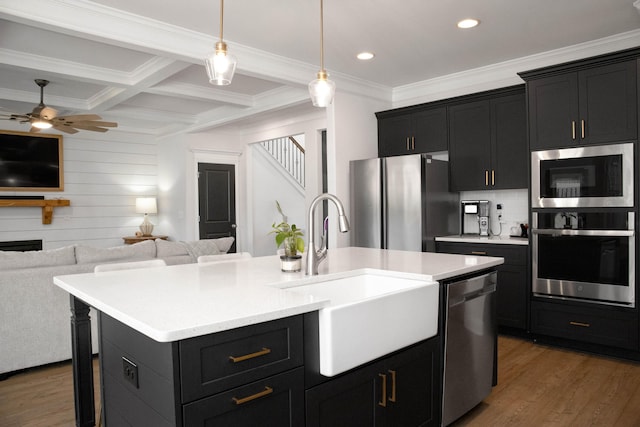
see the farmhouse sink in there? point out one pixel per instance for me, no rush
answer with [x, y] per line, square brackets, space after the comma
[371, 314]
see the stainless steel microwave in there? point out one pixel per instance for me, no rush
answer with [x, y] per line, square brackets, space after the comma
[589, 176]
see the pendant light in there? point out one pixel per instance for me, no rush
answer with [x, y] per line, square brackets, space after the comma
[220, 64]
[322, 89]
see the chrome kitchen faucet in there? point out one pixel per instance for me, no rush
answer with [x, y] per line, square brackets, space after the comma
[315, 256]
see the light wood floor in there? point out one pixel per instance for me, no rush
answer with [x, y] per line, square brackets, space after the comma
[537, 386]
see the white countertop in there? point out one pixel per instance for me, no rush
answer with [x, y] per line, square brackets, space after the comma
[183, 301]
[471, 238]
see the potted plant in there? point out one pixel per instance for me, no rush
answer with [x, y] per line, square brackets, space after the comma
[291, 237]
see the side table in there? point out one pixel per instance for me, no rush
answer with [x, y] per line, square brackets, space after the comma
[135, 239]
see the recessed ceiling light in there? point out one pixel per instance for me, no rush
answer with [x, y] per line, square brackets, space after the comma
[468, 23]
[365, 56]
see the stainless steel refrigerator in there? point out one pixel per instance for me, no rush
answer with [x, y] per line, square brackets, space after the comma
[401, 202]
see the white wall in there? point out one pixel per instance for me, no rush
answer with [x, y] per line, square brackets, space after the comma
[103, 174]
[270, 183]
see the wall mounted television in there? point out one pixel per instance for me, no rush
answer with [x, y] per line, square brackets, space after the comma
[30, 162]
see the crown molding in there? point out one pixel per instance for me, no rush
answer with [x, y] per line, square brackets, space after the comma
[504, 74]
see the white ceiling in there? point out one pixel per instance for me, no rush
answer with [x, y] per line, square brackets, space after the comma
[139, 62]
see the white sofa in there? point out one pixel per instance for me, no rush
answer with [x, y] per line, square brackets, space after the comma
[35, 314]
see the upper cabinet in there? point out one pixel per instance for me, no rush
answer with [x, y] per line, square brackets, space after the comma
[585, 102]
[414, 131]
[488, 143]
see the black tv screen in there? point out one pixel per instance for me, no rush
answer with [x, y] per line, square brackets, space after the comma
[30, 162]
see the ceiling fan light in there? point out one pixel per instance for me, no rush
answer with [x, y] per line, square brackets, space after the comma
[322, 90]
[41, 124]
[221, 65]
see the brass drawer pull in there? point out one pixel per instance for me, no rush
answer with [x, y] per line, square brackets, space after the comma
[582, 324]
[582, 126]
[267, 390]
[478, 253]
[393, 386]
[573, 129]
[383, 402]
[236, 359]
[486, 178]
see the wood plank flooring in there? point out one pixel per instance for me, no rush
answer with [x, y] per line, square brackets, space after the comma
[537, 386]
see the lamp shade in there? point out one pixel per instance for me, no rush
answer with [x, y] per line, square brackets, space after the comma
[220, 65]
[146, 205]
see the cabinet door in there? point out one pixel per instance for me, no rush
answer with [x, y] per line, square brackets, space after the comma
[509, 151]
[277, 401]
[608, 103]
[394, 135]
[350, 400]
[413, 387]
[429, 130]
[553, 111]
[470, 146]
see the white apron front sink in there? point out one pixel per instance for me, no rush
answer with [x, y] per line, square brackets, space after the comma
[371, 314]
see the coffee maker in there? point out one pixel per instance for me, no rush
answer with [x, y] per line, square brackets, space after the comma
[474, 212]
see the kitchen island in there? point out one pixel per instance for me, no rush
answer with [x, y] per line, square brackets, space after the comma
[163, 308]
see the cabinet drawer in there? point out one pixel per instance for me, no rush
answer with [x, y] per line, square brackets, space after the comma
[606, 325]
[218, 362]
[276, 401]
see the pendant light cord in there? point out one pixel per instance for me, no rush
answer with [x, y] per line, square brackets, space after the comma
[321, 37]
[221, 15]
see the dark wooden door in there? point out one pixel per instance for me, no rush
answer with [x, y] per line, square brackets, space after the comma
[470, 146]
[217, 201]
[509, 150]
[553, 111]
[608, 103]
[394, 135]
[430, 130]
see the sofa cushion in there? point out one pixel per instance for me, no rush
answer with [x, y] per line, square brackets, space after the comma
[170, 249]
[10, 260]
[137, 251]
[197, 248]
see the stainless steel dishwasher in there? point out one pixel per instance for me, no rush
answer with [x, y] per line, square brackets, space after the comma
[469, 344]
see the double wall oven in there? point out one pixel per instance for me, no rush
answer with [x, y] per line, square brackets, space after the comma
[583, 233]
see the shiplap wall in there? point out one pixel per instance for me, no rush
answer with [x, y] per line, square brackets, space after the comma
[103, 175]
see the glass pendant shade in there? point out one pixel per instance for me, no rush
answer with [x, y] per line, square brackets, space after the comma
[220, 65]
[322, 90]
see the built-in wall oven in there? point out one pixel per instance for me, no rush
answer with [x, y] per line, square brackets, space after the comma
[583, 224]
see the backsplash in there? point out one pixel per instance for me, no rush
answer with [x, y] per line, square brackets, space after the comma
[515, 208]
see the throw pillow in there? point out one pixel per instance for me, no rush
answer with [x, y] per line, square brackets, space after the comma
[209, 246]
[168, 249]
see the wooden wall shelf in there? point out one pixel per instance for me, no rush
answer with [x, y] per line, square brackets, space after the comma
[46, 205]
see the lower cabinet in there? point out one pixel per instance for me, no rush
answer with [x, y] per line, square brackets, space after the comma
[400, 390]
[512, 293]
[604, 325]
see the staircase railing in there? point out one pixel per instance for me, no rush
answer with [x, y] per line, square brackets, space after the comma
[289, 154]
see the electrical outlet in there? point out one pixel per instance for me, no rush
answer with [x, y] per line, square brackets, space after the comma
[130, 371]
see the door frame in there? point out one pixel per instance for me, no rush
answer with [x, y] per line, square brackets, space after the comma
[219, 157]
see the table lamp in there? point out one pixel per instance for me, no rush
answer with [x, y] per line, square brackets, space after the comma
[146, 205]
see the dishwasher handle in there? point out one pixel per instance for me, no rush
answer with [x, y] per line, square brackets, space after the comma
[461, 299]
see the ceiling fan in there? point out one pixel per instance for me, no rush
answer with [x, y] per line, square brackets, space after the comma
[43, 117]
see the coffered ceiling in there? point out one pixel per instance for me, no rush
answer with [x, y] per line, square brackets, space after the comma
[140, 62]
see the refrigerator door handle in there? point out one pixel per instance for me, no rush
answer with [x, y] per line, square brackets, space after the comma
[385, 206]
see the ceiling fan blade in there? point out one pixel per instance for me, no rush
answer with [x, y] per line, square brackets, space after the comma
[64, 128]
[79, 117]
[87, 126]
[103, 124]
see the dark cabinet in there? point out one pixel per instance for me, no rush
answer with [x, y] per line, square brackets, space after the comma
[488, 143]
[420, 131]
[247, 376]
[400, 390]
[597, 324]
[587, 106]
[512, 291]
